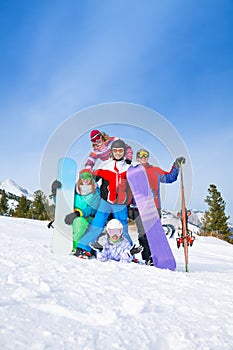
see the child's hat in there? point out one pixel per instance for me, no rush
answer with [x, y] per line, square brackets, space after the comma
[85, 174]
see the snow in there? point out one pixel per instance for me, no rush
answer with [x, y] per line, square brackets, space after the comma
[50, 302]
[11, 186]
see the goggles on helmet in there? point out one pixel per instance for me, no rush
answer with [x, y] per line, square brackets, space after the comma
[114, 232]
[85, 176]
[142, 153]
[96, 139]
[118, 150]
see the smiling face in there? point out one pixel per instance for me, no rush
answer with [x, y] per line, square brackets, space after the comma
[97, 141]
[143, 160]
[115, 234]
[118, 153]
[143, 157]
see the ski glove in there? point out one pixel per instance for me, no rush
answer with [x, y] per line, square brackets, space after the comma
[55, 185]
[179, 161]
[70, 217]
[128, 161]
[136, 250]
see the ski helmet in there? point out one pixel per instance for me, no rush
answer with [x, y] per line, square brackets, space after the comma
[95, 135]
[114, 230]
[85, 174]
[142, 153]
[119, 144]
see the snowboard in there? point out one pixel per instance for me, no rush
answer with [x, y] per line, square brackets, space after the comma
[62, 240]
[160, 249]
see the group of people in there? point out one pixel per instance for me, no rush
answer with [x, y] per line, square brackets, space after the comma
[103, 201]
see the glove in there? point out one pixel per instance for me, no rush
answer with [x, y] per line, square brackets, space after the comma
[70, 217]
[55, 185]
[179, 161]
[50, 224]
[96, 246]
[136, 250]
[128, 161]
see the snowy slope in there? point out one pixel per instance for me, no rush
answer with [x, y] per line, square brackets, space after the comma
[50, 302]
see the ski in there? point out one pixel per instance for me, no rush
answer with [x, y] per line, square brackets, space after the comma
[62, 240]
[184, 221]
[160, 249]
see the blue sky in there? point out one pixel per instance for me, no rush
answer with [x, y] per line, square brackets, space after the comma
[174, 57]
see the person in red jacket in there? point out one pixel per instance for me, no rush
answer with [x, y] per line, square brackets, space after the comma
[155, 176]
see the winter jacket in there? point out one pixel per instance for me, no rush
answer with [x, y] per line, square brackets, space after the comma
[156, 175]
[114, 188]
[119, 251]
[104, 154]
[87, 205]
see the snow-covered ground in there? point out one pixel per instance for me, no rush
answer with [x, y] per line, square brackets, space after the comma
[50, 302]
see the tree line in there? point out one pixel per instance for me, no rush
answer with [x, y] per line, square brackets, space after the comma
[214, 222]
[38, 208]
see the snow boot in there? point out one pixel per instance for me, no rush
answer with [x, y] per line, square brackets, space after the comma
[82, 254]
[149, 261]
[136, 261]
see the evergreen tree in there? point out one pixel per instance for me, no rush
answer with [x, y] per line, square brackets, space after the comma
[12, 212]
[215, 219]
[22, 208]
[3, 203]
[38, 207]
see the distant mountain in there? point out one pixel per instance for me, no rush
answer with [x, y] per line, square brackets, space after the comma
[12, 187]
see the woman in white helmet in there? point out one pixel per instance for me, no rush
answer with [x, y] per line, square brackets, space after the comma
[116, 247]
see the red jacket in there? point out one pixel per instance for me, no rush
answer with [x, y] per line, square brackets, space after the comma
[114, 188]
[156, 175]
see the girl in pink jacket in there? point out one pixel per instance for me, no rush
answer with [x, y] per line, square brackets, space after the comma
[101, 148]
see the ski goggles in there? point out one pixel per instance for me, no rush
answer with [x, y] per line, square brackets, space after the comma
[142, 153]
[118, 150]
[96, 139]
[85, 176]
[114, 232]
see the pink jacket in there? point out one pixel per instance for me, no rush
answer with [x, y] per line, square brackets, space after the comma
[104, 154]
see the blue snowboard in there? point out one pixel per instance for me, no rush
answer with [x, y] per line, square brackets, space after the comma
[160, 249]
[62, 241]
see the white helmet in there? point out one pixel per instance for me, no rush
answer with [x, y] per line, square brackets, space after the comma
[114, 223]
[114, 229]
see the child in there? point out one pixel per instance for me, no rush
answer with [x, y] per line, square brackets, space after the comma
[101, 148]
[86, 202]
[116, 247]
